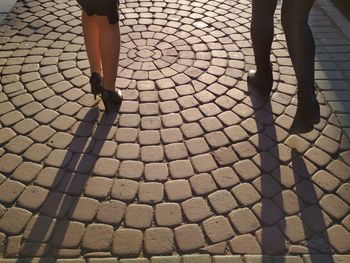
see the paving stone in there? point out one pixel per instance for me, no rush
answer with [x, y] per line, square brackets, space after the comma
[225, 177]
[111, 212]
[316, 219]
[127, 242]
[197, 146]
[334, 206]
[37, 152]
[131, 169]
[196, 209]
[288, 201]
[57, 205]
[32, 197]
[31, 249]
[203, 163]
[152, 154]
[156, 172]
[128, 151]
[98, 187]
[150, 193]
[97, 237]
[73, 183]
[6, 134]
[245, 194]
[245, 244]
[218, 229]
[26, 172]
[14, 220]
[258, 258]
[58, 158]
[294, 229]
[39, 229]
[68, 234]
[339, 238]
[106, 167]
[308, 192]
[189, 237]
[139, 216]
[244, 220]
[49, 177]
[196, 258]
[267, 186]
[168, 214]
[159, 241]
[318, 156]
[23, 127]
[326, 181]
[18, 144]
[84, 209]
[247, 170]
[339, 169]
[222, 201]
[271, 217]
[124, 189]
[9, 162]
[181, 169]
[10, 191]
[171, 135]
[202, 184]
[226, 259]
[271, 240]
[13, 246]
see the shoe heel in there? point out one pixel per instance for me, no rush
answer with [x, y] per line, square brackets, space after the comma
[96, 84]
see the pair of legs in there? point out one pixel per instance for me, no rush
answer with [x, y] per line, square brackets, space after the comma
[102, 41]
[299, 37]
[301, 47]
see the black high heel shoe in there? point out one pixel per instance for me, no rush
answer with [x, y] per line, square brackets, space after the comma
[111, 99]
[261, 82]
[96, 83]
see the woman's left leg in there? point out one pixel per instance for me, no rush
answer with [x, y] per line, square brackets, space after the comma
[301, 47]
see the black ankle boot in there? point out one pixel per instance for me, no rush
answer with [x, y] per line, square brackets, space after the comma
[262, 82]
[308, 111]
[96, 83]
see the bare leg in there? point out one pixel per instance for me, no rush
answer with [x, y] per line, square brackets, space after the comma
[91, 36]
[109, 41]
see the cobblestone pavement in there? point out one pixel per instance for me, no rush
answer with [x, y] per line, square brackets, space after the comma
[194, 162]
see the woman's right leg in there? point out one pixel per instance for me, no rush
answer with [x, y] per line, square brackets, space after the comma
[262, 33]
[91, 39]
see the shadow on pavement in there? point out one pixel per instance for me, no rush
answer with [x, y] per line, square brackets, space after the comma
[46, 232]
[298, 219]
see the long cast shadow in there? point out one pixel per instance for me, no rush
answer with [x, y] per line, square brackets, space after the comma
[274, 228]
[46, 234]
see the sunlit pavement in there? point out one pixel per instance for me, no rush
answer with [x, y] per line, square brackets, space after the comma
[194, 162]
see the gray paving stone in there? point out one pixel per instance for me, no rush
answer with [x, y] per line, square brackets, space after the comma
[189, 237]
[127, 242]
[196, 209]
[10, 190]
[97, 237]
[14, 220]
[124, 189]
[68, 234]
[139, 216]
[159, 241]
[218, 229]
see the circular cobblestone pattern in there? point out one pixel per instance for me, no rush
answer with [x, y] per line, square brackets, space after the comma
[195, 161]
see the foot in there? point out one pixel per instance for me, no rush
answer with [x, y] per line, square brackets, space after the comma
[261, 82]
[111, 99]
[308, 112]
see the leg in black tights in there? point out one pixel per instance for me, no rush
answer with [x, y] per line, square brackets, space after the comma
[300, 41]
[262, 32]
